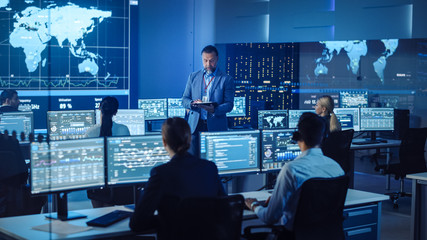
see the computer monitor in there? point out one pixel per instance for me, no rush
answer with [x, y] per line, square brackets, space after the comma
[354, 99]
[233, 152]
[239, 108]
[175, 108]
[376, 119]
[294, 116]
[133, 118]
[130, 159]
[272, 119]
[20, 122]
[63, 166]
[155, 109]
[278, 148]
[65, 125]
[349, 118]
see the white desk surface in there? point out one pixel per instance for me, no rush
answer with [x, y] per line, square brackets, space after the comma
[20, 227]
[418, 176]
[354, 197]
[390, 143]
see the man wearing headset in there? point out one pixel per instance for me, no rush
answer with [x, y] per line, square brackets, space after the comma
[311, 163]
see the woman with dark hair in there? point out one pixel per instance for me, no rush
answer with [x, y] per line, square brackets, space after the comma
[109, 196]
[108, 108]
[184, 176]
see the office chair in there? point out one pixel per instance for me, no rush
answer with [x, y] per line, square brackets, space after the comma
[337, 146]
[203, 218]
[411, 160]
[319, 213]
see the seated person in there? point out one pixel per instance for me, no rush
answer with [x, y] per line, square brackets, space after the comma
[118, 195]
[184, 176]
[9, 101]
[325, 108]
[311, 163]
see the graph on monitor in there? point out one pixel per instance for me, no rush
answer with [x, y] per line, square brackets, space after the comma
[349, 118]
[64, 125]
[175, 108]
[130, 159]
[155, 109]
[20, 122]
[132, 118]
[278, 148]
[376, 119]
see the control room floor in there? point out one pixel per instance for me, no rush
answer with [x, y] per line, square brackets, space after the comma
[395, 223]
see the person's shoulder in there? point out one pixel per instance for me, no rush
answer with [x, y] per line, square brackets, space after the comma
[94, 131]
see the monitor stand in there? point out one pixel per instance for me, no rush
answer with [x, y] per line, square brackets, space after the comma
[62, 208]
[373, 136]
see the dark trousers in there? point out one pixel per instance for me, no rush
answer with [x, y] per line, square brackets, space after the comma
[202, 126]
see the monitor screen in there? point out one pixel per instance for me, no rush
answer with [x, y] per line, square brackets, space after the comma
[132, 118]
[154, 108]
[130, 159]
[349, 118]
[239, 108]
[278, 148]
[67, 165]
[354, 99]
[18, 122]
[233, 152]
[175, 108]
[376, 119]
[272, 119]
[64, 125]
[294, 116]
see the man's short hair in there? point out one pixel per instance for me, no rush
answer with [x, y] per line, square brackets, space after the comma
[7, 94]
[210, 49]
[311, 129]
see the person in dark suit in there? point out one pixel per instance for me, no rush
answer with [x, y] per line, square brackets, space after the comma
[184, 176]
[9, 101]
[208, 85]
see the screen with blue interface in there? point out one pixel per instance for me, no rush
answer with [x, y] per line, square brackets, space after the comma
[354, 99]
[376, 119]
[64, 125]
[130, 159]
[349, 118]
[272, 119]
[278, 148]
[67, 165]
[294, 116]
[175, 108]
[20, 122]
[132, 118]
[233, 152]
[239, 108]
[155, 109]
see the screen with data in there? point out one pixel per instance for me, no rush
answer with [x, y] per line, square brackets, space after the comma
[20, 122]
[64, 125]
[354, 99]
[67, 165]
[376, 119]
[349, 118]
[130, 159]
[132, 118]
[294, 116]
[239, 108]
[272, 119]
[155, 109]
[175, 108]
[233, 152]
[278, 148]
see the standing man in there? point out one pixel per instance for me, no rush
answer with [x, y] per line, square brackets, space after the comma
[9, 101]
[208, 96]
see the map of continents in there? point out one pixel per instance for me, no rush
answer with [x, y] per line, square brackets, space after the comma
[35, 27]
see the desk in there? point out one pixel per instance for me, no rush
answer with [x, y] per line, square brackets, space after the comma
[362, 212]
[389, 144]
[419, 205]
[20, 227]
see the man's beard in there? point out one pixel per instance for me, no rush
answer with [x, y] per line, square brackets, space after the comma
[209, 71]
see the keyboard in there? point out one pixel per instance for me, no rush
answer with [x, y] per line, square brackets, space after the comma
[109, 218]
[366, 142]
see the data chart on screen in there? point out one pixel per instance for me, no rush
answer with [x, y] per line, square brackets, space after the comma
[155, 109]
[278, 148]
[272, 119]
[376, 119]
[294, 116]
[64, 125]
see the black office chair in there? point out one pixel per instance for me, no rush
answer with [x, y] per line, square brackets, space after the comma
[337, 146]
[319, 213]
[203, 218]
[411, 160]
